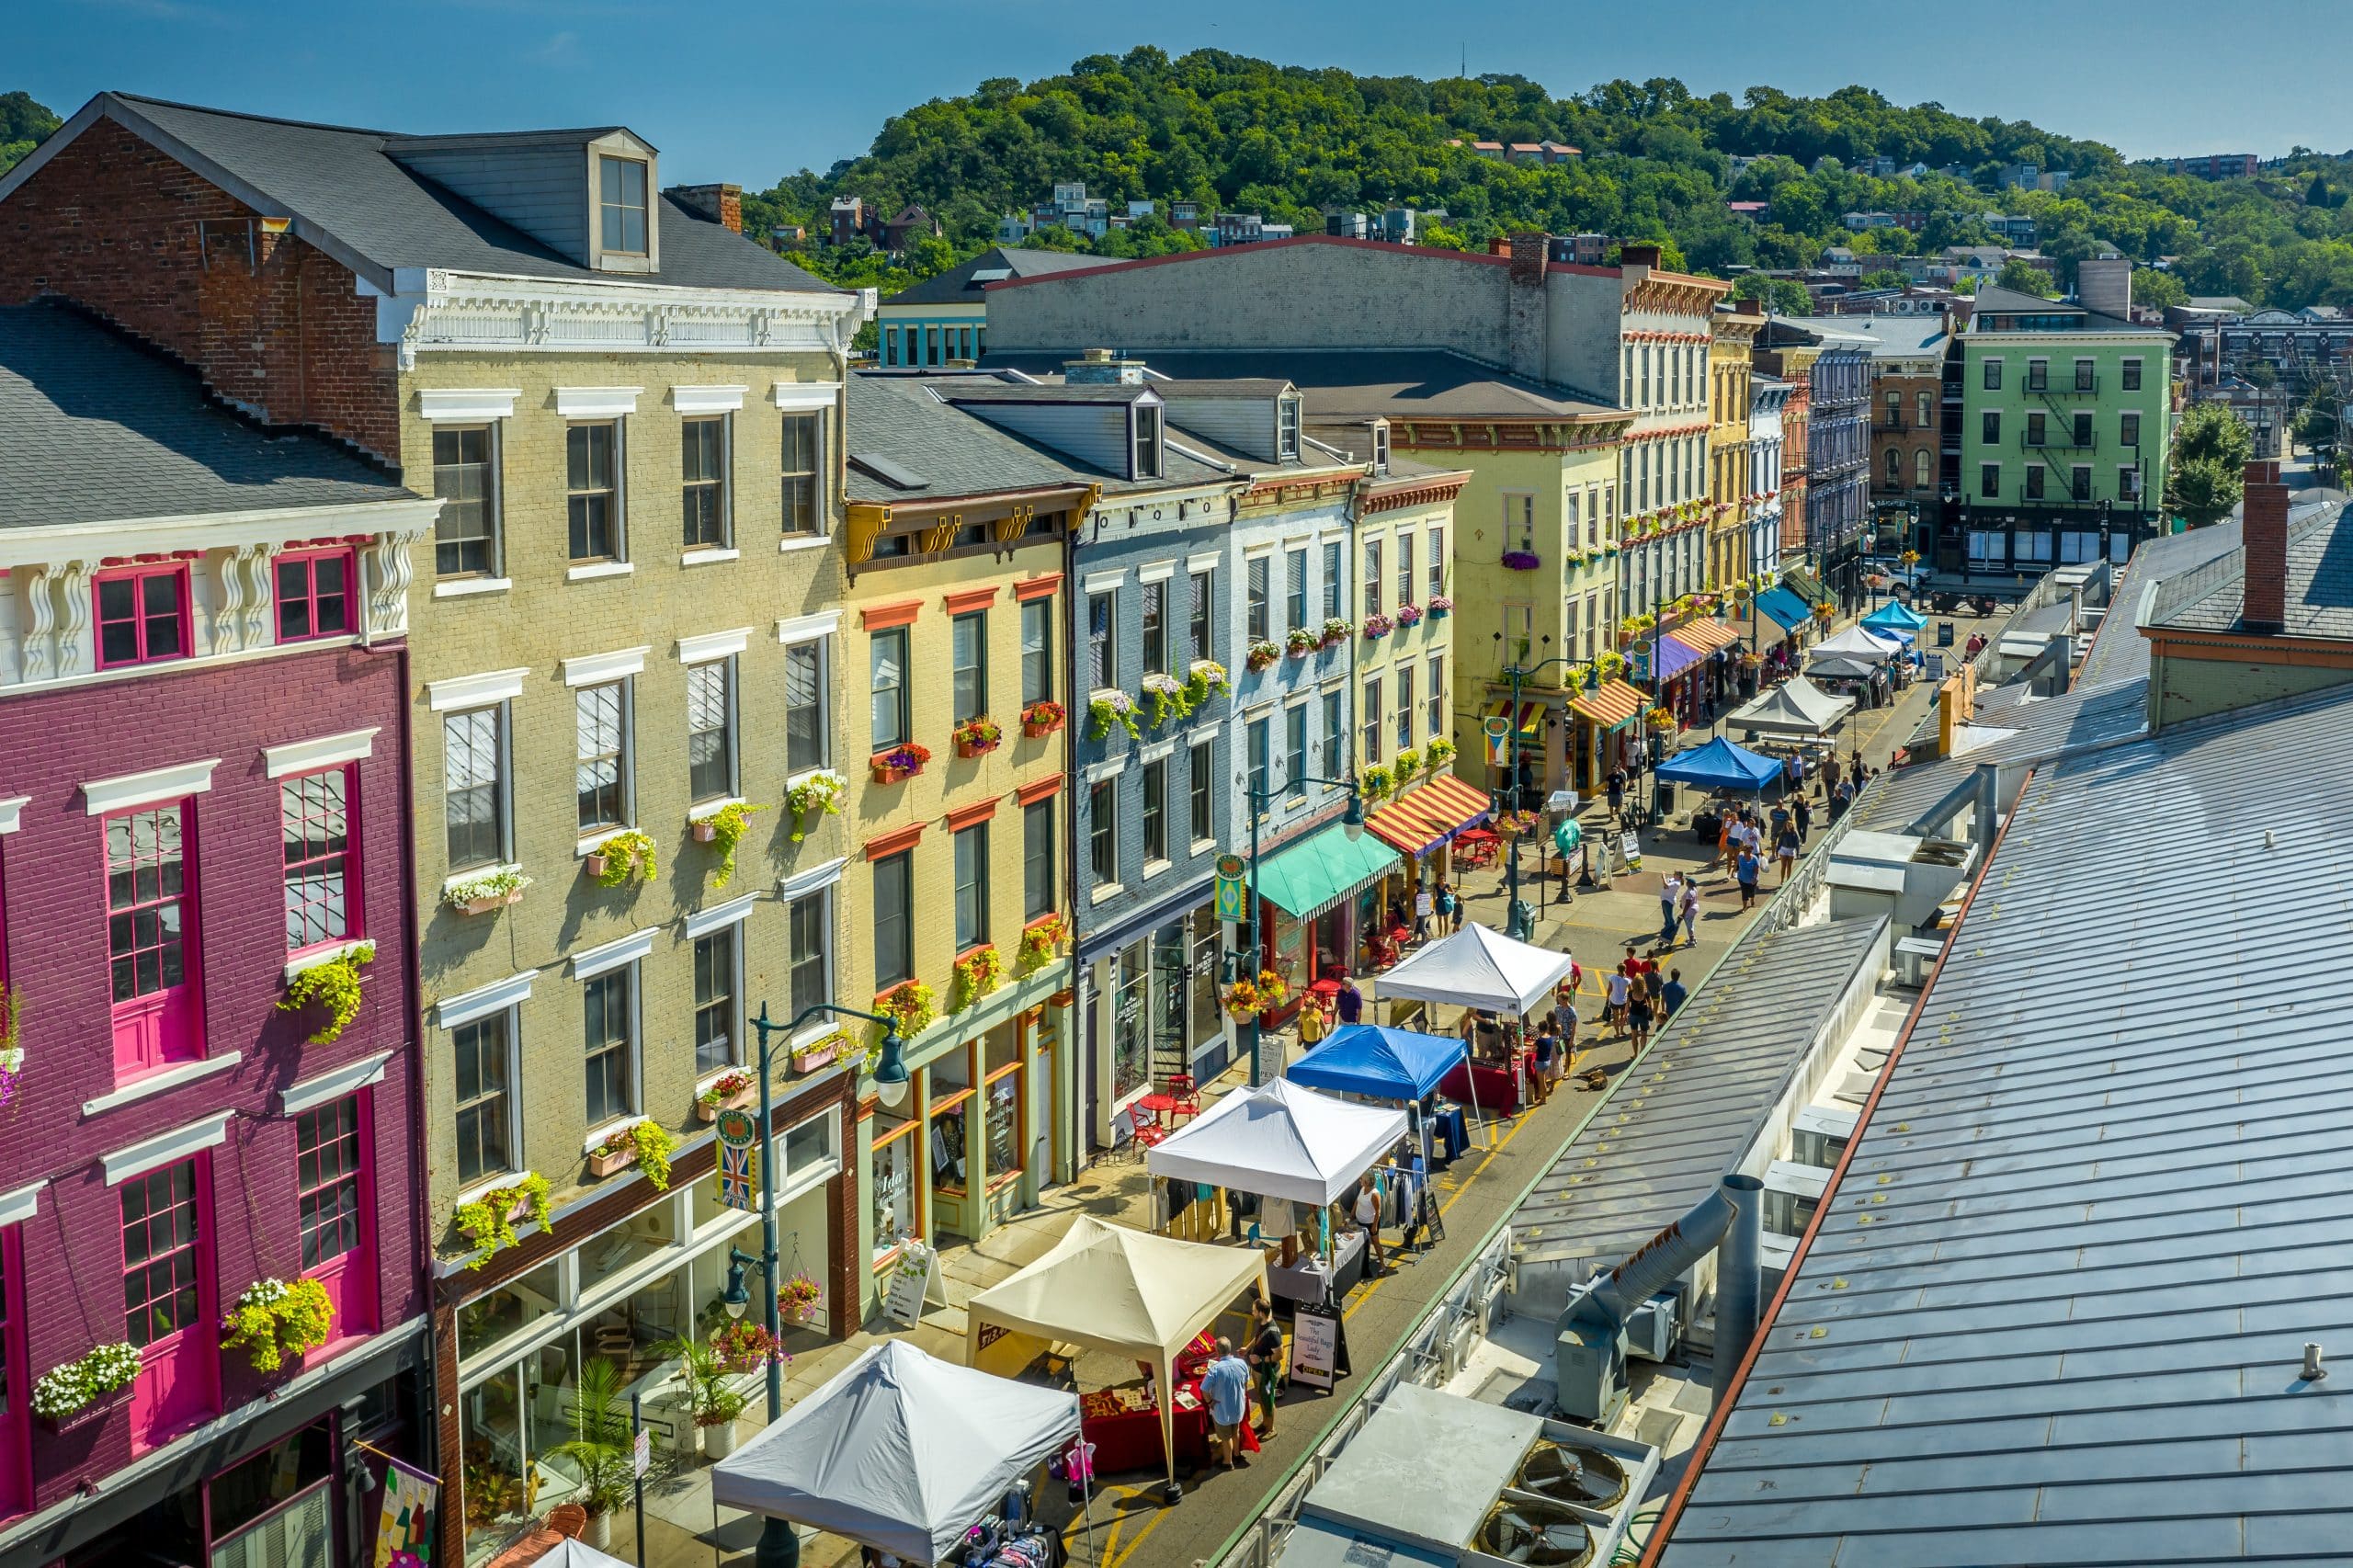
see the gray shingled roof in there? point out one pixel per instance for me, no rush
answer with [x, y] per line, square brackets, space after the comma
[904, 420]
[1402, 383]
[2055, 1310]
[1692, 1105]
[2320, 583]
[98, 430]
[956, 286]
[381, 216]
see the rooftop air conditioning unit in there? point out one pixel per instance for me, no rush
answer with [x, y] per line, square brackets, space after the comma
[1541, 1535]
[1572, 1472]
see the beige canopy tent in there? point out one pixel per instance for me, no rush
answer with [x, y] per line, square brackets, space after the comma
[1135, 1294]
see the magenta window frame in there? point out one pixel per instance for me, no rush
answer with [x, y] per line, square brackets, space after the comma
[140, 620]
[176, 1011]
[192, 1346]
[309, 560]
[350, 1275]
[354, 911]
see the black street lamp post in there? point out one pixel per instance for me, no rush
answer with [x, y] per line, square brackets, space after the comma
[1245, 965]
[1519, 919]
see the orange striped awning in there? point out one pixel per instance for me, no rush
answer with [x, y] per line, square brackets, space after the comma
[1706, 634]
[1610, 704]
[1420, 820]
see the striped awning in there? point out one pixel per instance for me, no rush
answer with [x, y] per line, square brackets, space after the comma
[1611, 704]
[1531, 716]
[1420, 820]
[1706, 634]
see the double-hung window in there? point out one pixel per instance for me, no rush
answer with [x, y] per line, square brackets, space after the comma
[1255, 572]
[1437, 572]
[1372, 577]
[315, 823]
[1335, 605]
[592, 490]
[1370, 718]
[809, 946]
[1404, 705]
[1156, 812]
[806, 731]
[710, 729]
[1992, 375]
[1103, 833]
[1295, 589]
[2129, 374]
[968, 640]
[1147, 458]
[167, 1290]
[1204, 776]
[1405, 569]
[703, 461]
[622, 205]
[473, 795]
[803, 449]
[2129, 431]
[972, 886]
[715, 1032]
[887, 686]
[1102, 652]
[143, 616]
[1335, 735]
[151, 921]
[1260, 738]
[894, 938]
[483, 1084]
[316, 591]
[332, 1180]
[600, 769]
[607, 1020]
[1295, 750]
[1153, 615]
[465, 481]
[1038, 857]
[1436, 721]
[1199, 620]
[1036, 650]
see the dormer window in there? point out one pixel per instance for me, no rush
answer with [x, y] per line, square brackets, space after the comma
[1381, 448]
[1147, 461]
[1286, 427]
[622, 204]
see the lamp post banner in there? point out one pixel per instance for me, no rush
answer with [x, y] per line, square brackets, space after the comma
[738, 1167]
[1233, 892]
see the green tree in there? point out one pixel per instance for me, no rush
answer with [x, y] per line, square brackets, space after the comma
[2211, 447]
[1784, 296]
[2158, 290]
[1885, 277]
[2026, 278]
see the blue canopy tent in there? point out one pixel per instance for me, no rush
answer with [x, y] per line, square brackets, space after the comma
[1385, 1064]
[1720, 764]
[1894, 620]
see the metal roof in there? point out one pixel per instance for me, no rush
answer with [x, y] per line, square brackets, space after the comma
[1401, 383]
[1682, 1115]
[910, 424]
[2055, 1308]
[2319, 589]
[2033, 732]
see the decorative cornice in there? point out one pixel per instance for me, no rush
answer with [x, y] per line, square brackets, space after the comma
[435, 309]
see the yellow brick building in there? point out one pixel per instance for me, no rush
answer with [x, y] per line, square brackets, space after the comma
[1730, 484]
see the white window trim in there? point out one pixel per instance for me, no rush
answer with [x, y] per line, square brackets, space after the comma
[708, 400]
[167, 1148]
[1105, 582]
[22, 1204]
[466, 405]
[597, 402]
[809, 628]
[805, 397]
[711, 556]
[12, 813]
[1158, 751]
[455, 1012]
[601, 669]
[333, 1085]
[734, 911]
[474, 692]
[816, 878]
[305, 757]
[628, 949]
[100, 795]
[156, 1083]
[326, 955]
[1109, 768]
[713, 645]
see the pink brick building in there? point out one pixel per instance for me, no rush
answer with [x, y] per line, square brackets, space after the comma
[203, 795]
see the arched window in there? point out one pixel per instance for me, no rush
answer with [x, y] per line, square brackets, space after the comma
[1920, 469]
[1894, 466]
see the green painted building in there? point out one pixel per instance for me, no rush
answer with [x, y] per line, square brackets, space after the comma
[2065, 421]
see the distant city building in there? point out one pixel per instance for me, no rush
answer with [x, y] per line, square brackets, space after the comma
[2218, 165]
[2033, 176]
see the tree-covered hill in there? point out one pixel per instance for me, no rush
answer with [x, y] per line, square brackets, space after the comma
[1289, 140]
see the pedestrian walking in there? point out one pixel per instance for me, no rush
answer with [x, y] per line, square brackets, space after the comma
[1266, 1360]
[1830, 773]
[1637, 1010]
[1617, 789]
[1724, 825]
[1449, 907]
[1539, 1075]
[1613, 1006]
[1672, 995]
[1785, 849]
[1688, 908]
[1797, 769]
[1802, 811]
[1746, 871]
[1670, 893]
[1350, 1001]
[1367, 1212]
[1313, 1026]
[1424, 907]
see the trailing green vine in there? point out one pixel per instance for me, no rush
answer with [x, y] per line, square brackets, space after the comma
[627, 856]
[334, 985]
[487, 1223]
[727, 831]
[274, 1320]
[649, 1143]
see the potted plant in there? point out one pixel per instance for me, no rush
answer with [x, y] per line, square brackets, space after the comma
[724, 827]
[731, 1090]
[599, 1451]
[1164, 695]
[1520, 560]
[1404, 766]
[819, 1053]
[1377, 626]
[1441, 607]
[1242, 1002]
[492, 890]
[1299, 641]
[626, 856]
[332, 985]
[82, 1389]
[978, 972]
[1337, 630]
[1041, 939]
[818, 791]
[1375, 782]
[272, 1320]
[488, 1222]
[909, 1005]
[1438, 752]
[1660, 718]
[1204, 678]
[1042, 717]
[1262, 655]
[977, 737]
[1107, 709]
[1409, 615]
[1273, 990]
[900, 762]
[645, 1143]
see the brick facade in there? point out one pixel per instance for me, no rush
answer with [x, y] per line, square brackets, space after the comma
[55, 912]
[274, 325]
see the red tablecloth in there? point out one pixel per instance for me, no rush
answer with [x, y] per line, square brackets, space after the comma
[1130, 1439]
[1499, 1088]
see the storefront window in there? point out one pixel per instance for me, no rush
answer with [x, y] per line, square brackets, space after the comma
[245, 1491]
[624, 1246]
[1168, 961]
[496, 1498]
[950, 1161]
[894, 1184]
[1003, 1113]
[1130, 1046]
[484, 1321]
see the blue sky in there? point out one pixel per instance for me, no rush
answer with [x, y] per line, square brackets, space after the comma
[747, 90]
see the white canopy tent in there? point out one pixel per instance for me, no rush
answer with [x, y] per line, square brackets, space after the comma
[571, 1553]
[1477, 966]
[1858, 643]
[901, 1451]
[1797, 706]
[1281, 1140]
[1137, 1295]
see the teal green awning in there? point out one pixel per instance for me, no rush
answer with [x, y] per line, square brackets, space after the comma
[1310, 877]
[1804, 583]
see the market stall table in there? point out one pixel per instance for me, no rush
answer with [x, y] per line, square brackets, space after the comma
[1497, 1089]
[1311, 1283]
[1124, 1427]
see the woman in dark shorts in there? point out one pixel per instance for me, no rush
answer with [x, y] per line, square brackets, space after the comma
[1640, 1003]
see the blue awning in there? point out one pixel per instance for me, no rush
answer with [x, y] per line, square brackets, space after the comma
[1784, 607]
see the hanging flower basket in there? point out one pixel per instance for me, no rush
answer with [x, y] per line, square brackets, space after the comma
[1520, 560]
[730, 1091]
[978, 737]
[900, 763]
[1262, 655]
[798, 1299]
[1439, 607]
[1513, 823]
[1042, 718]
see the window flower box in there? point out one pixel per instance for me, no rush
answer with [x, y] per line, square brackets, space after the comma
[480, 895]
[823, 1053]
[1042, 940]
[729, 1091]
[624, 858]
[1164, 695]
[1262, 655]
[645, 1143]
[1377, 626]
[1299, 641]
[1409, 615]
[1439, 607]
[1042, 718]
[333, 986]
[978, 972]
[820, 792]
[273, 1320]
[488, 1222]
[900, 763]
[910, 1006]
[83, 1392]
[978, 737]
[1204, 679]
[1437, 753]
[1374, 781]
[1112, 707]
[1520, 560]
[1337, 630]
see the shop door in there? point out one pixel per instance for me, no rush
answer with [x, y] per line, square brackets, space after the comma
[166, 1315]
[334, 1181]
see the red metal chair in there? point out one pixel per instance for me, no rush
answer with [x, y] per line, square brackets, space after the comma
[1185, 1094]
[1148, 1129]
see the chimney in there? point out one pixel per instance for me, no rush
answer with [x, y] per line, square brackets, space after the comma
[1102, 367]
[1524, 323]
[2105, 284]
[721, 203]
[1748, 307]
[1631, 253]
[1499, 246]
[2264, 609]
